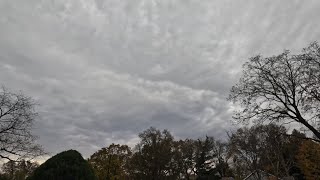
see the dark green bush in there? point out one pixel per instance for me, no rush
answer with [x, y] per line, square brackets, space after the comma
[67, 165]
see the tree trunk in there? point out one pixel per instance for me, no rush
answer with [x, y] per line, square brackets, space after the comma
[311, 128]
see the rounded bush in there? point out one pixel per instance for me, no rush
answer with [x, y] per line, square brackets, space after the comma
[67, 165]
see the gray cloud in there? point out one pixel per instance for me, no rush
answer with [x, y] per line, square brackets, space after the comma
[104, 70]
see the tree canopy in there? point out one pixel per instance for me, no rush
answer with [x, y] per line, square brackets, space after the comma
[110, 163]
[259, 148]
[153, 155]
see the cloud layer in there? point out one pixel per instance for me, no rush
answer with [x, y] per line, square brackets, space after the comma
[104, 70]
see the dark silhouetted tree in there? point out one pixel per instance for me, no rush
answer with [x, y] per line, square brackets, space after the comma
[281, 88]
[17, 115]
[18, 170]
[222, 156]
[67, 165]
[185, 156]
[204, 158]
[265, 147]
[153, 156]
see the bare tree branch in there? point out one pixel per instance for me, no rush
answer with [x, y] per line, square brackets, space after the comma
[281, 88]
[17, 115]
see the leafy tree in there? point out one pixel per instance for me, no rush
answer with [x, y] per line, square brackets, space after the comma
[176, 164]
[308, 158]
[291, 150]
[262, 147]
[281, 88]
[245, 151]
[204, 158]
[17, 115]
[110, 163]
[9, 169]
[275, 142]
[3, 177]
[153, 156]
[221, 150]
[18, 170]
[185, 155]
[67, 165]
[158, 156]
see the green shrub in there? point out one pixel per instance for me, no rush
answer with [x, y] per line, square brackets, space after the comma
[67, 165]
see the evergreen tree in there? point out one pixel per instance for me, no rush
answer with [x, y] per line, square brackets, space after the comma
[67, 165]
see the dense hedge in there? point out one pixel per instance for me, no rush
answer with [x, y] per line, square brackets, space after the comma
[67, 165]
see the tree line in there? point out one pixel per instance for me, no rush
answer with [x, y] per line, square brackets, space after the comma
[159, 156]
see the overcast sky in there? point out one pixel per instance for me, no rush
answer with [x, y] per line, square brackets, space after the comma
[104, 70]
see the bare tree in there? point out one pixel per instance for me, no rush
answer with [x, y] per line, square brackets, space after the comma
[17, 115]
[282, 88]
[312, 60]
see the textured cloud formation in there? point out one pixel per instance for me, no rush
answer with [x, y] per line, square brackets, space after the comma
[104, 70]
